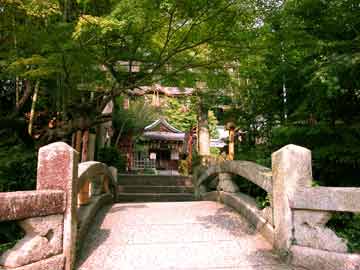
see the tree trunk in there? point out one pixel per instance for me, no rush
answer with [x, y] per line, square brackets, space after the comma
[25, 96]
[33, 105]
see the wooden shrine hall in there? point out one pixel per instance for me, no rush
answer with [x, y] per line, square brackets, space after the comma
[162, 146]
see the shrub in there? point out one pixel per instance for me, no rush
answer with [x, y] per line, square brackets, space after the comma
[18, 165]
[347, 226]
[183, 167]
[10, 233]
[111, 156]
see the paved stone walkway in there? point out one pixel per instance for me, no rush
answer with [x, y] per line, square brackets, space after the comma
[179, 235]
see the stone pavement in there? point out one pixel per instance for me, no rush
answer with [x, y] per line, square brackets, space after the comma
[178, 235]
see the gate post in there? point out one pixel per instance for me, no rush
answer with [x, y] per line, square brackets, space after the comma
[291, 169]
[58, 170]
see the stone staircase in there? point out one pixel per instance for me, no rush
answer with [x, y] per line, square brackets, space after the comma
[154, 188]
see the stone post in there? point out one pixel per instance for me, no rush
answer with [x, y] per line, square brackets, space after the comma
[291, 168]
[226, 183]
[58, 170]
[114, 173]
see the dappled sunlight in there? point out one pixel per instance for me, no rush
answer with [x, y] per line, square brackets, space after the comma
[166, 235]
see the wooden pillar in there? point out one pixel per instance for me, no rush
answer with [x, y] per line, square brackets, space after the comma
[106, 188]
[84, 193]
[231, 147]
[204, 137]
[73, 140]
[190, 149]
[91, 147]
[126, 103]
[78, 141]
[231, 143]
[85, 141]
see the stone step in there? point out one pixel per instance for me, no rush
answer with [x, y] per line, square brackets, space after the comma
[154, 180]
[154, 189]
[155, 197]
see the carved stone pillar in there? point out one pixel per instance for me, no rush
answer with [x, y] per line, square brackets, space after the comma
[291, 168]
[58, 170]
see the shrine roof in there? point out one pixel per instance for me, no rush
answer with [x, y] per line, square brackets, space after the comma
[163, 136]
[161, 125]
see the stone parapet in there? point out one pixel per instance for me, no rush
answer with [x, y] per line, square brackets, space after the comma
[255, 173]
[310, 258]
[26, 204]
[52, 263]
[327, 199]
[246, 206]
[295, 222]
[49, 215]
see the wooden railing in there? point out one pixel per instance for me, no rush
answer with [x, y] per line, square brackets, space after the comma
[141, 164]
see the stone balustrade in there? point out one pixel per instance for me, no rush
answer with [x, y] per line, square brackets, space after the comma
[54, 217]
[295, 222]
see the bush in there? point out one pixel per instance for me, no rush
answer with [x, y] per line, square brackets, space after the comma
[260, 154]
[347, 226]
[254, 191]
[111, 156]
[151, 171]
[335, 151]
[183, 167]
[18, 165]
[10, 233]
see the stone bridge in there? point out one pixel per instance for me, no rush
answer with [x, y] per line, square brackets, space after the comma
[223, 229]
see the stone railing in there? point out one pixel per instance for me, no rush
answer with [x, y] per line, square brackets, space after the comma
[228, 192]
[295, 222]
[52, 216]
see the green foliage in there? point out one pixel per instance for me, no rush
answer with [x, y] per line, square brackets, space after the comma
[335, 152]
[112, 157]
[254, 191]
[260, 154]
[181, 113]
[133, 120]
[150, 171]
[214, 151]
[196, 160]
[10, 233]
[18, 163]
[347, 226]
[183, 167]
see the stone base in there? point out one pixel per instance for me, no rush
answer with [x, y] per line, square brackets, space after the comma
[43, 239]
[87, 213]
[211, 196]
[310, 258]
[246, 206]
[53, 263]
